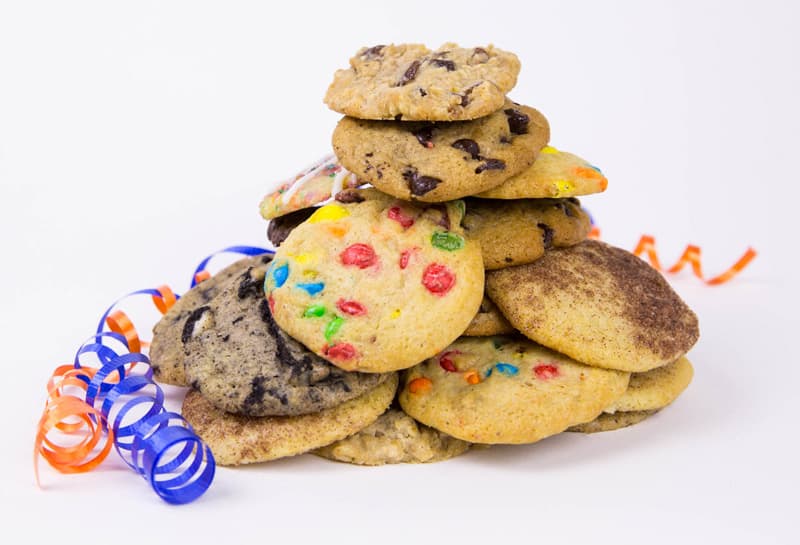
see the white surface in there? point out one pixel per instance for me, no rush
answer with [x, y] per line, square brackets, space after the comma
[137, 138]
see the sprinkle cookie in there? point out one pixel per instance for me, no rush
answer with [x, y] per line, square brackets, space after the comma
[598, 304]
[377, 285]
[166, 348]
[506, 390]
[435, 162]
[520, 231]
[394, 438]
[236, 439]
[555, 174]
[413, 83]
[240, 361]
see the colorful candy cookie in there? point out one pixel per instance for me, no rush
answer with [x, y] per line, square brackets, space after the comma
[377, 285]
[598, 304]
[166, 349]
[394, 438]
[506, 390]
[318, 183]
[555, 174]
[611, 422]
[413, 83]
[237, 440]
[435, 162]
[240, 361]
[519, 231]
[488, 321]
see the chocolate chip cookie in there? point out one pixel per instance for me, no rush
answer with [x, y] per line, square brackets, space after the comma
[435, 162]
[520, 231]
[413, 83]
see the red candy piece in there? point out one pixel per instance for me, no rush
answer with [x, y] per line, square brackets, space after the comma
[546, 371]
[396, 213]
[446, 363]
[271, 303]
[340, 351]
[438, 279]
[405, 256]
[360, 255]
[353, 308]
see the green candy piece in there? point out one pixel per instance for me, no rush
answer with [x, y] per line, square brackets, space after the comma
[314, 311]
[333, 326]
[461, 207]
[447, 241]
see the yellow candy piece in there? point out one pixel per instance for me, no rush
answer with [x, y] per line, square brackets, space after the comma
[549, 149]
[310, 274]
[329, 212]
[396, 314]
[563, 186]
[304, 258]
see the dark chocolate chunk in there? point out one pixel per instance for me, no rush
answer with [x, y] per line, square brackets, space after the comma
[374, 52]
[547, 235]
[398, 117]
[188, 326]
[491, 164]
[348, 196]
[517, 121]
[280, 227]
[423, 92]
[419, 185]
[424, 135]
[409, 74]
[470, 146]
[442, 63]
[479, 56]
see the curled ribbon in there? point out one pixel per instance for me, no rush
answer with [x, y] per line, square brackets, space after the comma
[115, 401]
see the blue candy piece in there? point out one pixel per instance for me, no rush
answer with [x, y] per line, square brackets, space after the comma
[506, 369]
[311, 288]
[280, 274]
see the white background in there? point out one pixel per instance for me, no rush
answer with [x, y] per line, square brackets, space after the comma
[138, 137]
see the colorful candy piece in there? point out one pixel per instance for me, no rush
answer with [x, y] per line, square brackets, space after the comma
[312, 288]
[506, 369]
[360, 255]
[420, 385]
[396, 213]
[340, 351]
[314, 311]
[405, 256]
[438, 279]
[329, 212]
[333, 327]
[546, 371]
[353, 308]
[280, 274]
[446, 363]
[447, 241]
[472, 377]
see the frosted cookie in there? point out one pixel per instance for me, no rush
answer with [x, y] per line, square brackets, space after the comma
[488, 321]
[413, 83]
[166, 349]
[435, 162]
[505, 390]
[655, 389]
[519, 231]
[555, 174]
[240, 361]
[377, 285]
[236, 439]
[318, 183]
[611, 422]
[598, 304]
[394, 438]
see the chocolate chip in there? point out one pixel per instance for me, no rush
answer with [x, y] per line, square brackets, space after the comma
[479, 56]
[347, 196]
[424, 135]
[547, 235]
[374, 52]
[517, 121]
[419, 185]
[409, 75]
[470, 146]
[491, 164]
[370, 154]
[280, 227]
[423, 92]
[465, 99]
[566, 208]
[398, 117]
[509, 259]
[450, 65]
[188, 326]
[226, 338]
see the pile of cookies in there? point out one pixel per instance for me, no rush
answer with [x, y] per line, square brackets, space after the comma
[433, 287]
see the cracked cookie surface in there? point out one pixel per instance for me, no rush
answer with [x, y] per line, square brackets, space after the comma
[413, 83]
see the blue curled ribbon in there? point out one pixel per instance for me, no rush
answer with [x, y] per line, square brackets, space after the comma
[159, 445]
